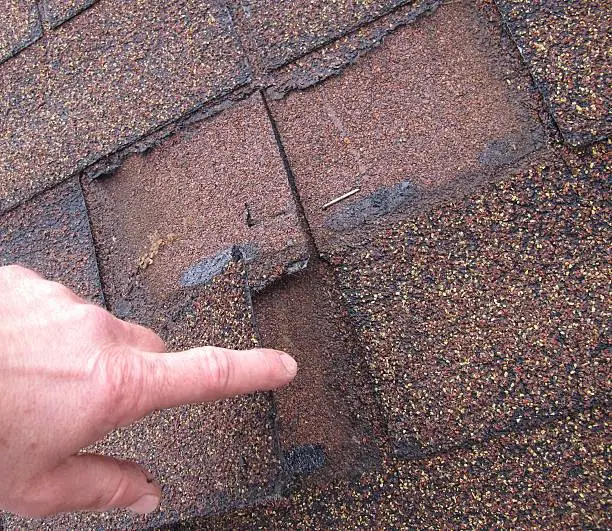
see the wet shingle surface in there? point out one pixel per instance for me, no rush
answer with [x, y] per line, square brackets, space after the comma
[103, 80]
[50, 234]
[567, 48]
[57, 11]
[439, 101]
[554, 477]
[206, 457]
[489, 313]
[19, 26]
[168, 216]
[277, 31]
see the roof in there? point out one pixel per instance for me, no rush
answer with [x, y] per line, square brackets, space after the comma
[175, 163]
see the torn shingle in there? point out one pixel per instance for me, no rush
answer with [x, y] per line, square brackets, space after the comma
[19, 26]
[438, 103]
[50, 234]
[164, 216]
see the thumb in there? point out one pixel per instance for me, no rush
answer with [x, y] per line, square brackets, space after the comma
[89, 482]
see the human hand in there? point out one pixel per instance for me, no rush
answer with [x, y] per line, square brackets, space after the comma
[70, 373]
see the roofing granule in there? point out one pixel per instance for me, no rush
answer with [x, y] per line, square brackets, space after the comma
[489, 313]
[555, 476]
[56, 12]
[19, 26]
[567, 48]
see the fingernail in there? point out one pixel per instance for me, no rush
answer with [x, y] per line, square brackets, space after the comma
[289, 363]
[146, 504]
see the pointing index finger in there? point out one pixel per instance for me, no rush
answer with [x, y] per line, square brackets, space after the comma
[210, 373]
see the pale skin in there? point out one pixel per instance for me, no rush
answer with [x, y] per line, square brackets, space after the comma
[70, 373]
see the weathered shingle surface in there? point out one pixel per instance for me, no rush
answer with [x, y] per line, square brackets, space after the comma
[279, 31]
[566, 44]
[491, 312]
[207, 457]
[51, 235]
[103, 80]
[19, 26]
[437, 103]
[165, 215]
[57, 11]
[554, 477]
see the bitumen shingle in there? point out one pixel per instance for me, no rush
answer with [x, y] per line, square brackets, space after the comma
[553, 477]
[567, 48]
[55, 12]
[51, 235]
[19, 26]
[454, 342]
[490, 312]
[165, 215]
[275, 32]
[207, 458]
[441, 101]
[103, 80]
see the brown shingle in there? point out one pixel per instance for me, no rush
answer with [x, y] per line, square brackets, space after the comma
[19, 26]
[440, 102]
[567, 48]
[492, 312]
[103, 80]
[50, 234]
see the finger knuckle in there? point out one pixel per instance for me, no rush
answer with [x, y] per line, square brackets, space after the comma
[121, 378]
[218, 368]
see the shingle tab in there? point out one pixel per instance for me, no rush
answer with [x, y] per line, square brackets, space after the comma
[489, 313]
[19, 26]
[439, 103]
[50, 234]
[169, 216]
[567, 48]
[103, 80]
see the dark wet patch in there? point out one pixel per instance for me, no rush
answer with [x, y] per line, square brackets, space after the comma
[380, 203]
[304, 459]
